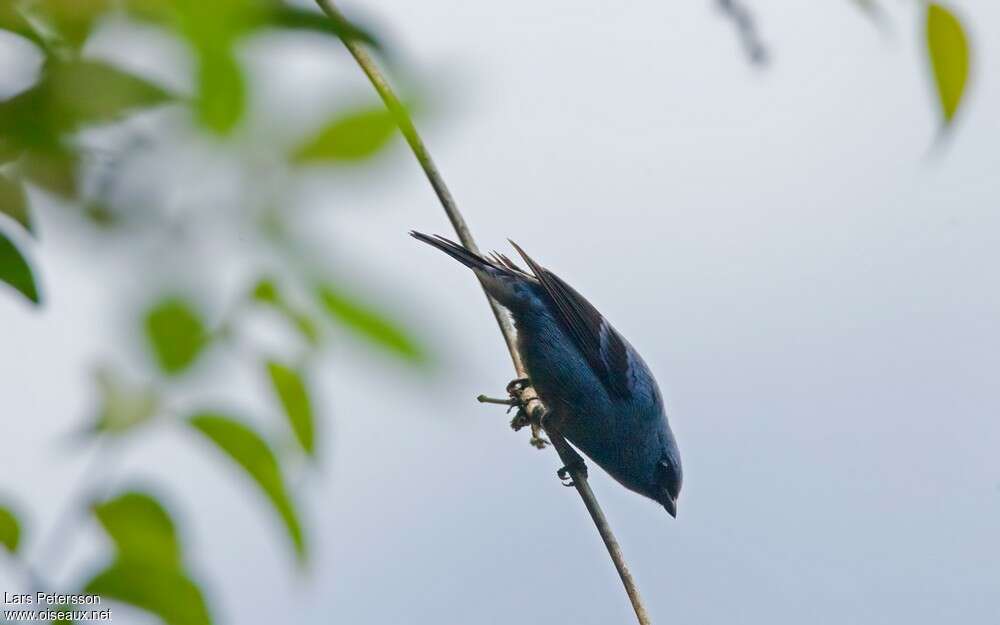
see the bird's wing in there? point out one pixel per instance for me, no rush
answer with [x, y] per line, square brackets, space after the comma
[600, 344]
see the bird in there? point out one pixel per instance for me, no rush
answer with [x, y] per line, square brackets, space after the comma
[600, 394]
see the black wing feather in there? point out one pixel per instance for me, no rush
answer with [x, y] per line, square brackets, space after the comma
[584, 323]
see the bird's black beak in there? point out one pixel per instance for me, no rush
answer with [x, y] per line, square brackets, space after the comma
[671, 505]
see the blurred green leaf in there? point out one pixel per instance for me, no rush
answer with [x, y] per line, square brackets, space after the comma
[251, 452]
[26, 121]
[65, 609]
[73, 19]
[10, 530]
[167, 593]
[55, 171]
[349, 138]
[83, 91]
[266, 292]
[14, 202]
[304, 324]
[12, 18]
[141, 529]
[294, 397]
[156, 11]
[69, 95]
[948, 48]
[101, 215]
[285, 16]
[176, 334]
[15, 270]
[368, 324]
[221, 89]
[123, 406]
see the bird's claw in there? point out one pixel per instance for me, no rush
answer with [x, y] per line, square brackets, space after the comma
[537, 440]
[524, 417]
[516, 386]
[566, 473]
[520, 420]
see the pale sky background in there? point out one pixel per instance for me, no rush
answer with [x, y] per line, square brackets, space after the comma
[813, 285]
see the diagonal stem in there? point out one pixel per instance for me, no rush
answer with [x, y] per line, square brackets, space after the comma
[566, 453]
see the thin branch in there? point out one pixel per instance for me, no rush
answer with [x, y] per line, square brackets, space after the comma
[746, 29]
[569, 457]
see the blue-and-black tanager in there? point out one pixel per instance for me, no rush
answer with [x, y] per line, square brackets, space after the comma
[599, 393]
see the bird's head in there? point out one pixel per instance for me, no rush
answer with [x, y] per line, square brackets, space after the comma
[668, 484]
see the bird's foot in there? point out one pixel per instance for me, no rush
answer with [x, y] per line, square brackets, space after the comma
[517, 386]
[577, 466]
[522, 396]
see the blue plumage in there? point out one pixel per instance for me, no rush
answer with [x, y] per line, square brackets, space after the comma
[600, 394]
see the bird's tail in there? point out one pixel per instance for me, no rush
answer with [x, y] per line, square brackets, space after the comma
[501, 278]
[456, 251]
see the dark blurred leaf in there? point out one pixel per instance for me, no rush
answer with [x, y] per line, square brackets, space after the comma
[9, 150]
[294, 397]
[948, 49]
[14, 202]
[54, 171]
[368, 324]
[27, 120]
[141, 529]
[123, 407]
[221, 89]
[15, 271]
[872, 11]
[252, 453]
[167, 593]
[10, 530]
[285, 16]
[176, 334]
[349, 138]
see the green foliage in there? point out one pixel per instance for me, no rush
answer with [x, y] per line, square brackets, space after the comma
[15, 270]
[266, 292]
[69, 95]
[167, 593]
[291, 391]
[141, 529]
[54, 170]
[12, 19]
[14, 202]
[176, 334]
[123, 407]
[74, 19]
[948, 49]
[254, 455]
[350, 137]
[221, 89]
[369, 324]
[10, 530]
[84, 92]
[147, 571]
